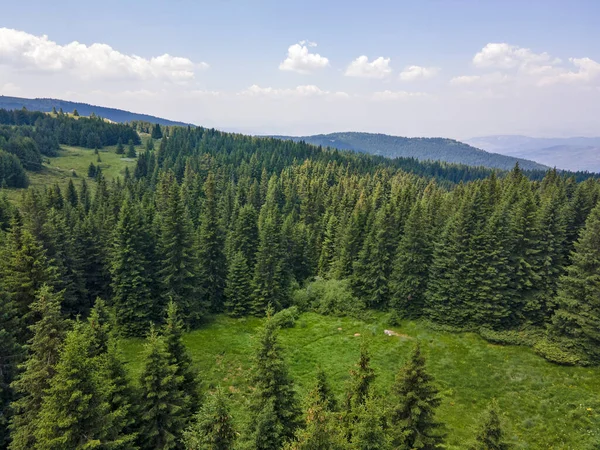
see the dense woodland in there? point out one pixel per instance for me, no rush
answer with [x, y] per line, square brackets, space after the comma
[211, 223]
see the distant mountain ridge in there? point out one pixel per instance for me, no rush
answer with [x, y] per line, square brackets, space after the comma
[438, 149]
[114, 114]
[574, 153]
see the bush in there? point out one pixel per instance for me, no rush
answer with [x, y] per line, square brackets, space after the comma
[286, 318]
[329, 297]
[512, 337]
[559, 354]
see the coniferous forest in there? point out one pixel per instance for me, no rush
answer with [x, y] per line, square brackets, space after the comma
[216, 223]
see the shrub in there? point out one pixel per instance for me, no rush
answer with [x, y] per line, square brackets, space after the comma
[557, 353]
[286, 318]
[329, 297]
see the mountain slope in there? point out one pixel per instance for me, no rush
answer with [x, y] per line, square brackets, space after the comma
[575, 153]
[440, 149]
[46, 105]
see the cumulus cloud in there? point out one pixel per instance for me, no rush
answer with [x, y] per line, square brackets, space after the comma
[588, 71]
[398, 95]
[506, 56]
[412, 73]
[299, 59]
[362, 68]
[24, 51]
[309, 90]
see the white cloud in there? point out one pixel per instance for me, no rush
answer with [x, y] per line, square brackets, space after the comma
[398, 95]
[300, 60]
[28, 52]
[309, 90]
[506, 56]
[362, 68]
[588, 71]
[488, 79]
[413, 73]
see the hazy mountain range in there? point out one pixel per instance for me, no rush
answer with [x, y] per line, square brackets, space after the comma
[439, 149]
[574, 153]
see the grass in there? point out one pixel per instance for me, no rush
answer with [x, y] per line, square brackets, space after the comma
[545, 406]
[59, 169]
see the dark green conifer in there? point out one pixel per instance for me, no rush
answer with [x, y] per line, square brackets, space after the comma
[72, 198]
[238, 288]
[120, 148]
[412, 418]
[131, 153]
[491, 434]
[274, 410]
[38, 369]
[161, 402]
[213, 427]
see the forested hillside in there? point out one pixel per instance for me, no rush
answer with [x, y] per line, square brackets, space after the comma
[49, 104]
[434, 149]
[216, 223]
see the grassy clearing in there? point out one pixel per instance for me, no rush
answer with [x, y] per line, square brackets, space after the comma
[59, 170]
[547, 406]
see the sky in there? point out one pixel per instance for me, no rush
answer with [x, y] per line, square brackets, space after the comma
[451, 68]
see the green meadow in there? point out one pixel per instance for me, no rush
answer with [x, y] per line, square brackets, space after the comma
[544, 406]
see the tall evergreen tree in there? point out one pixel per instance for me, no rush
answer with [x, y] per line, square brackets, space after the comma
[161, 401]
[238, 288]
[176, 249]
[38, 369]
[120, 148]
[185, 373]
[274, 410]
[412, 420]
[213, 427]
[577, 320]
[368, 432]
[75, 411]
[130, 275]
[131, 153]
[211, 257]
[71, 196]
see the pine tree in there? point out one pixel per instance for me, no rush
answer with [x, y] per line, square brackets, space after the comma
[172, 333]
[11, 353]
[213, 427]
[130, 275]
[161, 401]
[320, 431]
[211, 258]
[120, 148]
[238, 289]
[328, 247]
[577, 320]
[274, 410]
[75, 411]
[324, 391]
[491, 435]
[38, 369]
[156, 132]
[178, 260]
[71, 196]
[131, 153]
[367, 430]
[24, 267]
[412, 420]
[244, 237]
[362, 378]
[92, 171]
[408, 281]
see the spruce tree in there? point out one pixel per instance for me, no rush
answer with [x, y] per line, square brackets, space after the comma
[131, 153]
[324, 391]
[408, 281]
[371, 270]
[75, 411]
[577, 321]
[120, 148]
[362, 377]
[185, 373]
[368, 432]
[213, 427]
[491, 434]
[328, 250]
[131, 281]
[71, 196]
[156, 132]
[412, 418]
[175, 243]
[244, 237]
[211, 258]
[161, 401]
[238, 288]
[38, 369]
[273, 406]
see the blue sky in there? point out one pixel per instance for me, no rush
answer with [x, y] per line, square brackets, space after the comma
[456, 68]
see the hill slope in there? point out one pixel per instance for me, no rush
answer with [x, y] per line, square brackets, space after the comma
[84, 109]
[440, 149]
[575, 153]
